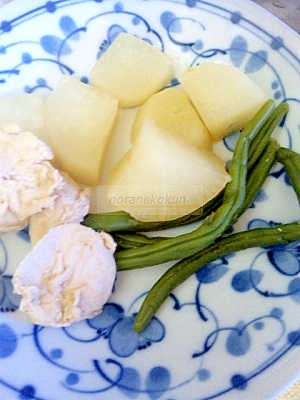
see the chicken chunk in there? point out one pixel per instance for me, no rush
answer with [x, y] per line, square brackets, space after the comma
[68, 276]
[71, 205]
[28, 181]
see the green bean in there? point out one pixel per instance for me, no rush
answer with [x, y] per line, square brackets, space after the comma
[120, 221]
[291, 162]
[111, 222]
[186, 244]
[258, 174]
[182, 270]
[265, 133]
[129, 241]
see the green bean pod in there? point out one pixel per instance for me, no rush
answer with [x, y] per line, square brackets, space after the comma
[182, 270]
[261, 140]
[186, 244]
[130, 240]
[291, 162]
[121, 221]
[258, 174]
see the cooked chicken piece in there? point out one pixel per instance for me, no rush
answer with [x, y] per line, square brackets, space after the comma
[68, 276]
[71, 204]
[28, 181]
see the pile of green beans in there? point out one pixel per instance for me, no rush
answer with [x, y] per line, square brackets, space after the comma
[260, 237]
[182, 270]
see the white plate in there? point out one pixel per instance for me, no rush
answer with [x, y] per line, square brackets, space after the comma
[224, 339]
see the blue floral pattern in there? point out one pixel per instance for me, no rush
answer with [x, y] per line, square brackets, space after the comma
[231, 321]
[113, 325]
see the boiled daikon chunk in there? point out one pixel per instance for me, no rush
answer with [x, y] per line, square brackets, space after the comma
[162, 177]
[27, 110]
[132, 70]
[79, 119]
[224, 96]
[172, 110]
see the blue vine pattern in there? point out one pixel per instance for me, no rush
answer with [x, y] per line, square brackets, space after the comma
[116, 370]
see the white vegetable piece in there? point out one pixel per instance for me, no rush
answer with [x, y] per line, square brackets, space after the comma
[172, 110]
[79, 119]
[26, 110]
[224, 96]
[68, 276]
[132, 70]
[162, 177]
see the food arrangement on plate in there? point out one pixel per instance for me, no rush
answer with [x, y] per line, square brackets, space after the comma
[79, 119]
[172, 194]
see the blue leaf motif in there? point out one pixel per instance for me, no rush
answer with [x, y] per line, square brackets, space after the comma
[277, 43]
[154, 331]
[26, 58]
[9, 301]
[8, 341]
[113, 32]
[230, 141]
[123, 340]
[294, 338]
[256, 62]
[245, 280]
[287, 180]
[68, 27]
[27, 392]
[170, 22]
[114, 325]
[261, 196]
[276, 313]
[24, 234]
[239, 381]
[238, 49]
[110, 315]
[130, 382]
[157, 382]
[261, 223]
[212, 273]
[238, 341]
[284, 261]
[54, 45]
[294, 289]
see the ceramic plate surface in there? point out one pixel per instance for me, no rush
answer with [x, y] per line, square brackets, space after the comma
[230, 332]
